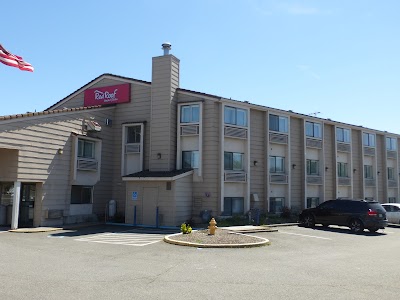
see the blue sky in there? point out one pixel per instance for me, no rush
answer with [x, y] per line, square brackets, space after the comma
[334, 59]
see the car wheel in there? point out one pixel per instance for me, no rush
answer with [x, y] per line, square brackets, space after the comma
[308, 221]
[356, 226]
[373, 229]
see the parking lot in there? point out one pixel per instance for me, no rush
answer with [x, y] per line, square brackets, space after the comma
[119, 262]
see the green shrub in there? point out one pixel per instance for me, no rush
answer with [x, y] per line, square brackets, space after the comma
[186, 228]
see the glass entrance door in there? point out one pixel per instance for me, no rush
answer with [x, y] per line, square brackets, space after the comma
[27, 204]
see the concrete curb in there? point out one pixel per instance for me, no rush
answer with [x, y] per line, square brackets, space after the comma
[169, 239]
[34, 230]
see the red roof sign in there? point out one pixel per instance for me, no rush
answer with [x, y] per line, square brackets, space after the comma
[120, 93]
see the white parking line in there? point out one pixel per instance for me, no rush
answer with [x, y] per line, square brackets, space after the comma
[305, 235]
[123, 238]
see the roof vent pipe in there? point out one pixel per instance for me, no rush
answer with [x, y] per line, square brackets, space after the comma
[166, 47]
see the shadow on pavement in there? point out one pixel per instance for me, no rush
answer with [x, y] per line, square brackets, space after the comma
[346, 230]
[99, 229]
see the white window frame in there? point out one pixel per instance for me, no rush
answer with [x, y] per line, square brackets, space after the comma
[124, 143]
[283, 123]
[313, 126]
[342, 133]
[190, 108]
[391, 144]
[369, 139]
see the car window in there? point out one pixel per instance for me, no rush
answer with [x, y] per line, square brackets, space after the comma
[396, 208]
[376, 206]
[388, 208]
[327, 204]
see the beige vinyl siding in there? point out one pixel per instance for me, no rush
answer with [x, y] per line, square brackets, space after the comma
[183, 199]
[211, 162]
[297, 157]
[9, 164]
[38, 139]
[330, 162]
[163, 110]
[137, 111]
[381, 167]
[257, 153]
[356, 140]
[78, 99]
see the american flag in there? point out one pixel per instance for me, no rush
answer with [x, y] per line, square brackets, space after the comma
[13, 60]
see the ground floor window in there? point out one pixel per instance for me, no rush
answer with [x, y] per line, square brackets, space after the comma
[312, 201]
[392, 200]
[81, 194]
[233, 206]
[276, 204]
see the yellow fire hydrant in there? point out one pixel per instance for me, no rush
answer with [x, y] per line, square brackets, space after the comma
[212, 227]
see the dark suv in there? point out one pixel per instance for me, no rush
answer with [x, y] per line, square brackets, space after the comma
[356, 214]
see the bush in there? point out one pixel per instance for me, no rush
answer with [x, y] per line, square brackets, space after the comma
[286, 213]
[186, 228]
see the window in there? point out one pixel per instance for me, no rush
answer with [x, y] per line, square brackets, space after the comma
[190, 159]
[190, 113]
[85, 148]
[342, 169]
[368, 172]
[81, 194]
[312, 167]
[369, 139]
[276, 164]
[276, 204]
[233, 206]
[278, 123]
[233, 161]
[343, 135]
[313, 130]
[312, 201]
[133, 134]
[390, 173]
[235, 116]
[391, 144]
[392, 200]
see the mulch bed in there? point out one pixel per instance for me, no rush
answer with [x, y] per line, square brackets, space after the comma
[221, 236]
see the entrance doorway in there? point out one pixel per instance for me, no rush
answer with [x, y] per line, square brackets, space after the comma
[150, 199]
[27, 204]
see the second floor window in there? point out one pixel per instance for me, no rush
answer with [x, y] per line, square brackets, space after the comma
[342, 169]
[314, 130]
[233, 161]
[133, 134]
[276, 164]
[390, 173]
[278, 123]
[190, 113]
[368, 172]
[190, 159]
[391, 144]
[85, 148]
[343, 135]
[235, 116]
[369, 139]
[312, 167]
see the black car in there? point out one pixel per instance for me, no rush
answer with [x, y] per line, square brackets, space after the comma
[356, 214]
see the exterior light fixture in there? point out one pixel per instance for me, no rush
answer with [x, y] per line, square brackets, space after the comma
[60, 151]
[326, 168]
[255, 163]
[354, 170]
[159, 155]
[294, 166]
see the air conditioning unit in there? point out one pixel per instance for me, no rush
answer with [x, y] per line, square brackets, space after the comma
[93, 126]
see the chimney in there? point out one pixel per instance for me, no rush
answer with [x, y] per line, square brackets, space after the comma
[166, 47]
[165, 81]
